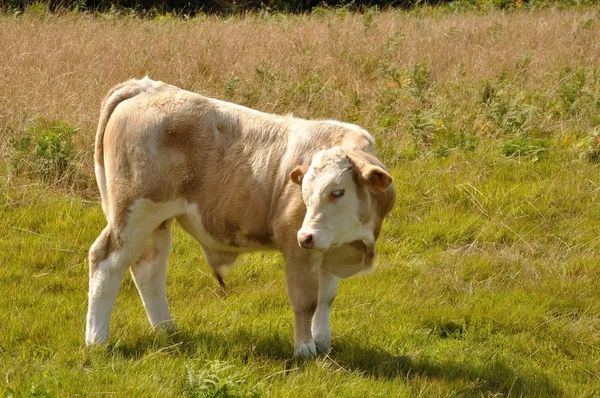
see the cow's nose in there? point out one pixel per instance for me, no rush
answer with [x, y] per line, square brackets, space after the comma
[305, 240]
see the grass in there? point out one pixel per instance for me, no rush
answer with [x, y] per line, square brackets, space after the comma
[487, 281]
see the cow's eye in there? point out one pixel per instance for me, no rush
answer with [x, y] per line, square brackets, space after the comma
[337, 194]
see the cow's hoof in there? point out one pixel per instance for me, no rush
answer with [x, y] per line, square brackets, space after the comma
[306, 350]
[323, 343]
[165, 327]
[94, 340]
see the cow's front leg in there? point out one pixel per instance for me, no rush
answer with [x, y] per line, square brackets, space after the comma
[302, 273]
[321, 329]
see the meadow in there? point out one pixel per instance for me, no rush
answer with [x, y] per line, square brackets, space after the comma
[487, 281]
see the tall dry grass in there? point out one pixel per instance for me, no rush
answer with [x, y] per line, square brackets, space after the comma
[345, 66]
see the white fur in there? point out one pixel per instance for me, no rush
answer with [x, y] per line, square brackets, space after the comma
[332, 222]
[104, 286]
[150, 279]
[321, 328]
[306, 350]
[101, 179]
[106, 278]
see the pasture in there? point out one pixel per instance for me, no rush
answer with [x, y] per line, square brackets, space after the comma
[487, 281]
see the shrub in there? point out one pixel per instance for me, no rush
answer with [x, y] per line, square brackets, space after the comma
[44, 150]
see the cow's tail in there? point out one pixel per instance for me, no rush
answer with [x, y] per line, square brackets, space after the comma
[115, 96]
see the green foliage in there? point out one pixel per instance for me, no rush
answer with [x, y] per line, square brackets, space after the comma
[231, 86]
[590, 147]
[44, 150]
[166, 17]
[506, 108]
[368, 19]
[37, 9]
[431, 134]
[525, 147]
[217, 380]
[571, 89]
[419, 80]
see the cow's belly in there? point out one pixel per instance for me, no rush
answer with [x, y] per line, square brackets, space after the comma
[222, 237]
[348, 260]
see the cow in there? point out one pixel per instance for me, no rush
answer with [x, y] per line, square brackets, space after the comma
[237, 180]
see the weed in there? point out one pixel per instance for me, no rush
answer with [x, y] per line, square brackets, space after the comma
[320, 11]
[166, 17]
[506, 108]
[368, 18]
[311, 89]
[37, 9]
[424, 127]
[231, 86]
[44, 150]
[217, 381]
[590, 147]
[571, 89]
[419, 79]
[429, 132]
[525, 62]
[524, 147]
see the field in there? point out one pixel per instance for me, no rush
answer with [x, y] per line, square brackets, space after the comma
[487, 281]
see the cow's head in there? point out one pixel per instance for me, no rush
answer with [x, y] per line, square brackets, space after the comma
[338, 189]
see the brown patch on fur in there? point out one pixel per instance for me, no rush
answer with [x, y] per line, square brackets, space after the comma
[106, 244]
[149, 255]
[262, 238]
[381, 202]
[221, 230]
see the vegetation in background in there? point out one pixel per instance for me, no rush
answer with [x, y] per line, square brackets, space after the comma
[166, 9]
[44, 150]
[487, 281]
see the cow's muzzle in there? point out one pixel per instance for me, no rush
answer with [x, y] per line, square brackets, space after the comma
[306, 240]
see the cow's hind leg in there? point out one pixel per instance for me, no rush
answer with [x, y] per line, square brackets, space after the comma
[321, 329]
[115, 250]
[109, 258]
[150, 276]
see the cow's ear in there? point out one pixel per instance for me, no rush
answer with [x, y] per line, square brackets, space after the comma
[375, 178]
[298, 174]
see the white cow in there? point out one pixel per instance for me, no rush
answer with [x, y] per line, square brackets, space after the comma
[236, 180]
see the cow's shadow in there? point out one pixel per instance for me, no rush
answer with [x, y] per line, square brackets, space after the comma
[480, 378]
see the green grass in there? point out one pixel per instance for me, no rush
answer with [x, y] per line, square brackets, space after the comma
[487, 281]
[487, 284]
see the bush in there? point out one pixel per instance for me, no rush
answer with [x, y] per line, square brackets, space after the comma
[44, 150]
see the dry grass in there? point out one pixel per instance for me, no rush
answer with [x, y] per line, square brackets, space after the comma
[350, 67]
